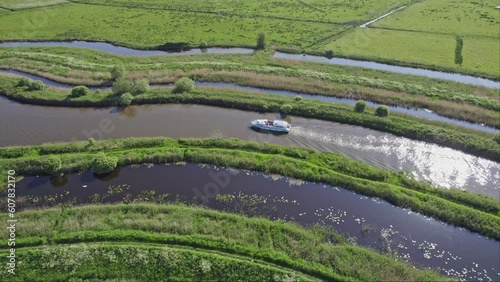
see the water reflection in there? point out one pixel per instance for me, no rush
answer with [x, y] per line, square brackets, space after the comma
[366, 221]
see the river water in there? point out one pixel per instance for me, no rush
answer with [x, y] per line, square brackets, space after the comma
[421, 113]
[367, 221]
[23, 124]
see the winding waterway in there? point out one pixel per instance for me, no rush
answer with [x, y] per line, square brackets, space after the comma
[467, 79]
[23, 124]
[106, 47]
[367, 221]
[422, 113]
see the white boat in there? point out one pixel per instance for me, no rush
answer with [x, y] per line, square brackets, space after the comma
[272, 125]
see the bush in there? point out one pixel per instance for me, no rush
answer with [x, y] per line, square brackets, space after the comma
[203, 44]
[140, 86]
[286, 108]
[382, 111]
[24, 82]
[121, 85]
[52, 165]
[329, 54]
[184, 84]
[360, 106]
[103, 164]
[261, 41]
[37, 85]
[125, 99]
[117, 71]
[79, 91]
[98, 92]
[298, 98]
[496, 138]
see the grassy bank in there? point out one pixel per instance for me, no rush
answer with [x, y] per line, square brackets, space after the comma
[475, 212]
[189, 242]
[478, 143]
[85, 67]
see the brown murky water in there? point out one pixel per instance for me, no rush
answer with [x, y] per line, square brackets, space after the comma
[367, 221]
[29, 125]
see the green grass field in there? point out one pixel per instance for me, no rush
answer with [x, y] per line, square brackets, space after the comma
[158, 242]
[455, 17]
[24, 4]
[146, 28]
[330, 11]
[480, 53]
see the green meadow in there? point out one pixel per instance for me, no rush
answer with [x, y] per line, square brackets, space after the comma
[328, 11]
[153, 28]
[454, 17]
[24, 4]
[480, 54]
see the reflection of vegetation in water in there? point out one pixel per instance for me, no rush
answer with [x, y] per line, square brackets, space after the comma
[242, 203]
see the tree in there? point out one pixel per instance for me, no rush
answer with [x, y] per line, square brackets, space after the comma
[382, 111]
[286, 108]
[24, 82]
[125, 99]
[121, 85]
[203, 44]
[140, 86]
[118, 71]
[103, 164]
[184, 84]
[51, 165]
[79, 91]
[261, 41]
[329, 54]
[360, 106]
[37, 85]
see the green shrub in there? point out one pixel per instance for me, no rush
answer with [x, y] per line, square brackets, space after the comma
[140, 86]
[496, 138]
[184, 84]
[24, 81]
[79, 91]
[298, 98]
[329, 54]
[103, 164]
[98, 92]
[125, 99]
[117, 71]
[121, 85]
[203, 44]
[286, 108]
[37, 85]
[360, 106]
[261, 41]
[52, 165]
[382, 111]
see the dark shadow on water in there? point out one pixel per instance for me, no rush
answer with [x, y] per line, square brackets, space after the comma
[59, 180]
[108, 176]
[37, 181]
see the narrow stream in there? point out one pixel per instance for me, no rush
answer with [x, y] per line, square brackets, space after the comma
[124, 51]
[106, 47]
[462, 78]
[422, 113]
[366, 221]
[23, 124]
